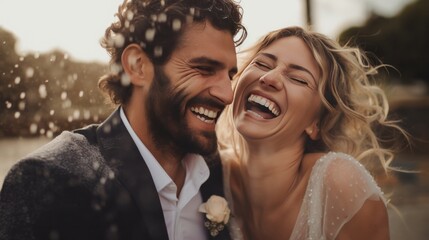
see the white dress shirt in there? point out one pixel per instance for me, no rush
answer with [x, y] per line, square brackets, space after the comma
[181, 215]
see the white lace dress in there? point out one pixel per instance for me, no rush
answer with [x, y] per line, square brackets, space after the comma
[338, 187]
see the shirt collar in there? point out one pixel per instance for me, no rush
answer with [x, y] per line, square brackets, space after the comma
[197, 170]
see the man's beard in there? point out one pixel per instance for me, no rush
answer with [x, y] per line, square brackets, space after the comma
[167, 120]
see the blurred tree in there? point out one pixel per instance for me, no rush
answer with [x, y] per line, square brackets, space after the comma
[401, 41]
[308, 13]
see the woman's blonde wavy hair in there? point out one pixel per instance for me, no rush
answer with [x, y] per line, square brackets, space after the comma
[354, 113]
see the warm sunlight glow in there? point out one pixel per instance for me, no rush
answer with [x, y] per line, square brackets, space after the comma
[76, 26]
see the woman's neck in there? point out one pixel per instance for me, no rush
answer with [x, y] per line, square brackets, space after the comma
[269, 177]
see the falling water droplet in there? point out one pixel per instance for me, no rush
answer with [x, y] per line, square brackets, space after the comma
[162, 17]
[42, 91]
[125, 80]
[22, 95]
[63, 95]
[29, 72]
[115, 68]
[49, 134]
[8, 104]
[130, 15]
[157, 51]
[17, 80]
[17, 115]
[95, 165]
[86, 114]
[119, 40]
[81, 93]
[76, 114]
[21, 105]
[66, 104]
[150, 34]
[177, 24]
[33, 128]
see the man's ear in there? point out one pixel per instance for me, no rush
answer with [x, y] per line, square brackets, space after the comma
[313, 130]
[137, 66]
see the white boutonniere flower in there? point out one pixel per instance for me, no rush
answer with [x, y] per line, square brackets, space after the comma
[217, 214]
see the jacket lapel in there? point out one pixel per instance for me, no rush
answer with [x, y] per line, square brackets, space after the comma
[214, 186]
[122, 154]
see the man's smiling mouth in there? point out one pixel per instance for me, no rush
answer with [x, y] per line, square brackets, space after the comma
[205, 115]
[262, 107]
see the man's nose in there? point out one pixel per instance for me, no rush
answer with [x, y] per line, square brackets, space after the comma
[223, 90]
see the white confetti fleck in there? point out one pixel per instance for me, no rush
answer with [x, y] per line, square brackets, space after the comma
[29, 72]
[119, 40]
[150, 34]
[63, 95]
[162, 17]
[125, 80]
[157, 51]
[76, 114]
[177, 24]
[42, 91]
[33, 128]
[21, 106]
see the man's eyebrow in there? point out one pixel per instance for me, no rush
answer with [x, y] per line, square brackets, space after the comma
[214, 63]
[208, 61]
[293, 66]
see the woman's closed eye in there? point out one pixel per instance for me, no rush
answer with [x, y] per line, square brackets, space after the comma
[299, 80]
[261, 65]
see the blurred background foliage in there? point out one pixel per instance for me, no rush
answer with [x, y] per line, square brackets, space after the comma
[43, 94]
[401, 41]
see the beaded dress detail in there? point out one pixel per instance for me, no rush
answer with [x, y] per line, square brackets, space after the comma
[338, 187]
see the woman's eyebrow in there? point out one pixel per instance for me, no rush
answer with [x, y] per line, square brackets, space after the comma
[268, 55]
[301, 68]
[293, 66]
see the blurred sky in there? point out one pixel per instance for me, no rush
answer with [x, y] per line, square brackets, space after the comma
[76, 26]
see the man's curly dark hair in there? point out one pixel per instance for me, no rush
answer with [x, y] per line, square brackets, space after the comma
[157, 25]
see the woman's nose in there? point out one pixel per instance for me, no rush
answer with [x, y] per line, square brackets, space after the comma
[271, 79]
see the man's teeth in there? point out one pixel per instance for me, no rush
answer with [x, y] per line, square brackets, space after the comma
[265, 102]
[205, 119]
[205, 114]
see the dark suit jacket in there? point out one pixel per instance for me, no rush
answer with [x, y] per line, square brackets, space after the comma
[88, 184]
